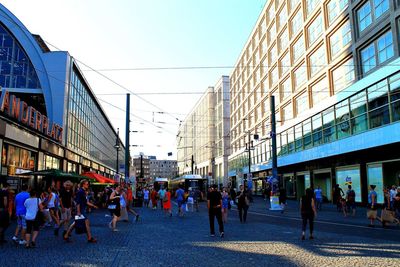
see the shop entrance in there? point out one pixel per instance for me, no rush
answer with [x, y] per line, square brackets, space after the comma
[322, 178]
[302, 183]
[288, 181]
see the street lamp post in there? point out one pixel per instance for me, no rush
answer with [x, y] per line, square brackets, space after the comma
[117, 147]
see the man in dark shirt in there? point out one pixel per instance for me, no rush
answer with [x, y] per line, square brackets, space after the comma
[81, 204]
[66, 205]
[214, 204]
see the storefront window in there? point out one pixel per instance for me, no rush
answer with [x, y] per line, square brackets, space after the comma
[17, 160]
[350, 176]
[375, 177]
[51, 162]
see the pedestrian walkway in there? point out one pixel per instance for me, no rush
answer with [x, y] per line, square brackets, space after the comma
[327, 214]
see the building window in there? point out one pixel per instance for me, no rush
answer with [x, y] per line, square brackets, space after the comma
[287, 113]
[371, 11]
[273, 76]
[340, 39]
[315, 30]
[282, 17]
[358, 112]
[320, 91]
[301, 102]
[286, 89]
[334, 8]
[283, 41]
[271, 33]
[299, 76]
[298, 49]
[293, 4]
[343, 76]
[311, 6]
[284, 64]
[296, 23]
[378, 104]
[377, 52]
[271, 12]
[317, 61]
[272, 55]
[328, 117]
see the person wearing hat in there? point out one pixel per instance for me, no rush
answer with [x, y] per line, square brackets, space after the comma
[66, 200]
[372, 208]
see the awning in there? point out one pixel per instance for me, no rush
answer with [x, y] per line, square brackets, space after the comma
[99, 178]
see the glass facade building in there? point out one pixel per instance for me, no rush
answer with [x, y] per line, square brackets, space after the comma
[48, 120]
[335, 88]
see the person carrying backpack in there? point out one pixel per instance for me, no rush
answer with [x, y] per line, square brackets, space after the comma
[351, 200]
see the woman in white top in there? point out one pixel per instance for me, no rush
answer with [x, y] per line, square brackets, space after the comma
[53, 208]
[32, 205]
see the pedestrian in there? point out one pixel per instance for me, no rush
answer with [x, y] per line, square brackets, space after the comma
[66, 202]
[153, 197]
[124, 211]
[161, 194]
[167, 203]
[33, 206]
[20, 212]
[308, 213]
[53, 209]
[198, 196]
[190, 200]
[318, 197]
[4, 215]
[282, 199]
[214, 204]
[372, 208]
[268, 195]
[393, 193]
[180, 198]
[243, 204]
[81, 204]
[146, 197]
[337, 197]
[351, 200]
[114, 206]
[129, 196]
[225, 205]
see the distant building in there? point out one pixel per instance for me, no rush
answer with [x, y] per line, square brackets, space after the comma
[141, 169]
[163, 168]
[203, 138]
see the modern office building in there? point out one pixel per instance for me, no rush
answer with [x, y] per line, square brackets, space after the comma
[203, 137]
[49, 116]
[333, 68]
[163, 168]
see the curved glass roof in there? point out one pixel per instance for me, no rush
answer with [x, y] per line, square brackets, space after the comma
[16, 70]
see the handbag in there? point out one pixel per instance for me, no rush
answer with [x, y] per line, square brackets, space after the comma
[80, 225]
[40, 218]
[112, 207]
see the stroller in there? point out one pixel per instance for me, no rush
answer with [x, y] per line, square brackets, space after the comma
[388, 216]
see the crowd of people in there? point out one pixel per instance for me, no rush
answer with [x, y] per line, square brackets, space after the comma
[66, 206]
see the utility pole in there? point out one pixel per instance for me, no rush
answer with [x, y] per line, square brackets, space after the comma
[127, 131]
[192, 164]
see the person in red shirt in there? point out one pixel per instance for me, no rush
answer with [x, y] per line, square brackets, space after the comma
[153, 197]
[129, 196]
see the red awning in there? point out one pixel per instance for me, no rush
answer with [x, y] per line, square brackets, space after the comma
[99, 178]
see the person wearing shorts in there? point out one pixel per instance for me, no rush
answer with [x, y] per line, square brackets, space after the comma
[179, 194]
[32, 205]
[66, 198]
[20, 212]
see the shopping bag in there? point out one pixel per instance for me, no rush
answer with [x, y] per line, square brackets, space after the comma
[387, 216]
[80, 225]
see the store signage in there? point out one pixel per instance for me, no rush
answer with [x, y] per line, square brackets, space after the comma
[17, 109]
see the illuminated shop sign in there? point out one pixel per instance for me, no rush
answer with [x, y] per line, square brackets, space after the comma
[17, 109]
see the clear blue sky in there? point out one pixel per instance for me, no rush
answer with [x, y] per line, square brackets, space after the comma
[126, 34]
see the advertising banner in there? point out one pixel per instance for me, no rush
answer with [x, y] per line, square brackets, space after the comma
[350, 176]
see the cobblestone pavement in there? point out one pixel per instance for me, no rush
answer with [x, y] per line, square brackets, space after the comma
[157, 240]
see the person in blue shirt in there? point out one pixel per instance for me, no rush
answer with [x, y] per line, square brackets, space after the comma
[372, 209]
[318, 197]
[20, 212]
[81, 204]
[180, 198]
